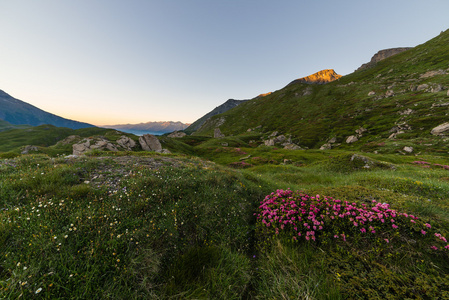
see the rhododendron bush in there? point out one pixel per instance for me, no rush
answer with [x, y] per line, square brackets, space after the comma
[319, 219]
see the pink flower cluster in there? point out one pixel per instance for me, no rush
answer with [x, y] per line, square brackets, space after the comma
[428, 164]
[300, 214]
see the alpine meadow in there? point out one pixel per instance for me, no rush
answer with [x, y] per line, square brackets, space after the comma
[332, 187]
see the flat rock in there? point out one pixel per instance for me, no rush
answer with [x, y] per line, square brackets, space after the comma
[351, 139]
[441, 129]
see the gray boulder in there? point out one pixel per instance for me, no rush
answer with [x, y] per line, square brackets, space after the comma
[27, 149]
[408, 149]
[441, 129]
[351, 139]
[92, 144]
[422, 87]
[126, 143]
[149, 142]
[177, 134]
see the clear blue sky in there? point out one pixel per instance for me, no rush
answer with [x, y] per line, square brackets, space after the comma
[114, 62]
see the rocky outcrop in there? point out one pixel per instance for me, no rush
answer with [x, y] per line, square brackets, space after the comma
[90, 144]
[177, 134]
[381, 55]
[218, 134]
[149, 142]
[27, 149]
[321, 77]
[126, 142]
[351, 139]
[441, 129]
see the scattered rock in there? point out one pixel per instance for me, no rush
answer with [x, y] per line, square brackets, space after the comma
[218, 134]
[360, 131]
[269, 142]
[126, 142]
[275, 133]
[389, 93]
[441, 129]
[408, 111]
[177, 134]
[437, 88]
[246, 157]
[224, 144]
[332, 140]
[422, 87]
[351, 139]
[408, 149]
[287, 161]
[440, 104]
[280, 139]
[165, 151]
[149, 142]
[326, 146]
[395, 134]
[249, 130]
[292, 146]
[372, 93]
[432, 73]
[89, 144]
[27, 149]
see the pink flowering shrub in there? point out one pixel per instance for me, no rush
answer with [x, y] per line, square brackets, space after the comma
[428, 164]
[317, 218]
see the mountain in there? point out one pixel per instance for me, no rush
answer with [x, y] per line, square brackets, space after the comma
[18, 112]
[231, 103]
[402, 97]
[321, 77]
[381, 55]
[150, 127]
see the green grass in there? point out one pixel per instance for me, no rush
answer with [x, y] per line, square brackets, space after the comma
[172, 226]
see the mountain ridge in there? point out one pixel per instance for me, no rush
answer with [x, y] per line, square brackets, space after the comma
[156, 126]
[405, 93]
[18, 112]
[320, 77]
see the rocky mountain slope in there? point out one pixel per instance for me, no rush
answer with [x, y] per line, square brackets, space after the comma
[18, 112]
[381, 55]
[401, 97]
[321, 77]
[231, 103]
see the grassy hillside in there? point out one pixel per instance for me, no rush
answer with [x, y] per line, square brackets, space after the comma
[4, 126]
[152, 226]
[315, 113]
[45, 136]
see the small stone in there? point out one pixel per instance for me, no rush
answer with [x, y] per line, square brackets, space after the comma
[422, 87]
[372, 93]
[408, 149]
[351, 139]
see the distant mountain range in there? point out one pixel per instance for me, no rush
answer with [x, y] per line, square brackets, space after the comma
[18, 112]
[150, 127]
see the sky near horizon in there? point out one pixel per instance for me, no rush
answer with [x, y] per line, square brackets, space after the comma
[111, 62]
